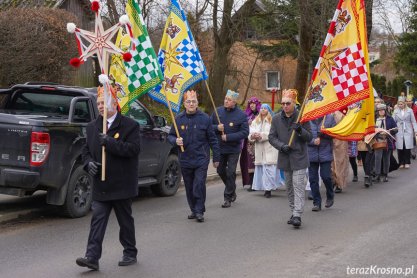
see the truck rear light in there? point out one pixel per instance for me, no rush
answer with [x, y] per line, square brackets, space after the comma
[39, 148]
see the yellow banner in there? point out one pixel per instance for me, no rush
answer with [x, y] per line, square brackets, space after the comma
[341, 76]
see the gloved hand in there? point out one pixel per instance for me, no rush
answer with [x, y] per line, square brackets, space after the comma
[297, 127]
[393, 131]
[285, 149]
[92, 168]
[102, 139]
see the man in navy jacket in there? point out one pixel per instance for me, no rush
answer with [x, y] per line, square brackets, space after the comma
[196, 135]
[232, 129]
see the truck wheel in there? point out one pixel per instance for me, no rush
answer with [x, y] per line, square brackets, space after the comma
[169, 179]
[79, 194]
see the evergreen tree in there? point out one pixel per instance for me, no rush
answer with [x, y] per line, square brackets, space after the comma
[406, 57]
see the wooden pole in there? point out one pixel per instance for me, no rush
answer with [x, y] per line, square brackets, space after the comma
[299, 116]
[173, 118]
[103, 148]
[214, 105]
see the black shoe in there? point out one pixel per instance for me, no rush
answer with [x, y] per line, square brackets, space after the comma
[127, 261]
[376, 179]
[316, 208]
[368, 182]
[329, 203]
[385, 179]
[267, 194]
[191, 216]
[200, 217]
[338, 190]
[413, 156]
[234, 197]
[296, 221]
[87, 262]
[289, 222]
[226, 204]
[355, 178]
[250, 189]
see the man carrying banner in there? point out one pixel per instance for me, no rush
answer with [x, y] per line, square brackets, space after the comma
[197, 136]
[230, 132]
[122, 144]
[292, 159]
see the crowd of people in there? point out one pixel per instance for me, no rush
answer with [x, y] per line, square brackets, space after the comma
[260, 140]
[274, 149]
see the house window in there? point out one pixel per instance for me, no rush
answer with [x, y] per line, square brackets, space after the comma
[272, 80]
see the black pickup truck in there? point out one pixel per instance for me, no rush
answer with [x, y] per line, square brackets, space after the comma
[42, 132]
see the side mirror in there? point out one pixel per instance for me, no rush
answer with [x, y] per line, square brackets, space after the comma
[160, 121]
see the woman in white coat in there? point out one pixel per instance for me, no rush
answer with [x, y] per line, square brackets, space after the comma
[407, 129]
[266, 175]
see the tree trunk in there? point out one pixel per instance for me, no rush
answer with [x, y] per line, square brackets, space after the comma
[258, 54]
[304, 50]
[368, 7]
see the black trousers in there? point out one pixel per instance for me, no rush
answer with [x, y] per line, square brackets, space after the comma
[404, 156]
[227, 172]
[195, 187]
[99, 220]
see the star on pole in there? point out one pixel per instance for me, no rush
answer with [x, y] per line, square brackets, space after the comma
[100, 43]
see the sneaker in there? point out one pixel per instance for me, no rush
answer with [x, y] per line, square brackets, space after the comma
[191, 216]
[401, 166]
[407, 166]
[289, 222]
[385, 179]
[329, 203]
[200, 217]
[310, 195]
[337, 189]
[296, 221]
[316, 208]
[226, 204]
[87, 262]
[368, 181]
[355, 178]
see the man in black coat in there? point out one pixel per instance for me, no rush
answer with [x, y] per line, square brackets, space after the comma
[122, 143]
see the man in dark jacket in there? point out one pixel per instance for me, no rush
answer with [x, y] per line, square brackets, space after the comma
[320, 154]
[122, 143]
[197, 136]
[232, 129]
[293, 158]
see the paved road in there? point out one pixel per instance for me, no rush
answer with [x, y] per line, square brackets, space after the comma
[365, 228]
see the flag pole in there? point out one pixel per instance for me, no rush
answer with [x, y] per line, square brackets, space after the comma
[212, 102]
[173, 118]
[299, 116]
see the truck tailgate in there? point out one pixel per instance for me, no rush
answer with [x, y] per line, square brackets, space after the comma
[15, 145]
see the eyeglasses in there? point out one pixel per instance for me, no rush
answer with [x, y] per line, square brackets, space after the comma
[286, 103]
[191, 101]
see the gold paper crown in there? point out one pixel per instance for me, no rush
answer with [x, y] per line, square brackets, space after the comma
[190, 94]
[100, 93]
[410, 98]
[290, 93]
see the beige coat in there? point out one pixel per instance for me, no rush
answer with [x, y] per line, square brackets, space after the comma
[265, 153]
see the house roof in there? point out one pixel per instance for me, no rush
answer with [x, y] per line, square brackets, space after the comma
[7, 4]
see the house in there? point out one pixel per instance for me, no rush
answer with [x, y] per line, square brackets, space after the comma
[252, 76]
[84, 76]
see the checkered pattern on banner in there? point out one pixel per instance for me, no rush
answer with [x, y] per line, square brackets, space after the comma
[351, 76]
[141, 68]
[189, 59]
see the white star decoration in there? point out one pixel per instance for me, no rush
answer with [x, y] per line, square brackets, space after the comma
[98, 42]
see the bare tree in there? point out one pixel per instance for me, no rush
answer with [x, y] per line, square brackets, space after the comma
[224, 37]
